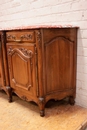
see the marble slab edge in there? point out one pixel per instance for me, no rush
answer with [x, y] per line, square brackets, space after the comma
[38, 27]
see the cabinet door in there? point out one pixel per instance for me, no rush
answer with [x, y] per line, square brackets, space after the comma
[59, 65]
[22, 67]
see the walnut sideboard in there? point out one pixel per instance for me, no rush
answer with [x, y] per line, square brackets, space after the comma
[39, 64]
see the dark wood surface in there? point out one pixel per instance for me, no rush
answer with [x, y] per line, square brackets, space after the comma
[40, 64]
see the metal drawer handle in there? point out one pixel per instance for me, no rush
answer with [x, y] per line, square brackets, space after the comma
[17, 40]
[13, 37]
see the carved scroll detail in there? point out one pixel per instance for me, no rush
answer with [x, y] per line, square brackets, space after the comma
[26, 37]
[10, 50]
[26, 52]
[24, 98]
[11, 37]
[39, 38]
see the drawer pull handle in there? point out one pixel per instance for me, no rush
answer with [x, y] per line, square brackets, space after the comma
[17, 40]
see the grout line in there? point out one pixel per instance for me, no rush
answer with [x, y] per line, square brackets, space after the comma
[83, 126]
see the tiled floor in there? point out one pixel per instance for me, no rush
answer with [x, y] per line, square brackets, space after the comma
[22, 115]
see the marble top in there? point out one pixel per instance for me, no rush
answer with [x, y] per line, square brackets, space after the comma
[39, 26]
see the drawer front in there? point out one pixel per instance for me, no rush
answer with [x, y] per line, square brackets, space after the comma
[20, 36]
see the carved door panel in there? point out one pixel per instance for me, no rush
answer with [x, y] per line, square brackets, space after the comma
[59, 65]
[22, 66]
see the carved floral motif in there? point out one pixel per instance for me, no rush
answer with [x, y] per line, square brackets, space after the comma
[10, 37]
[39, 38]
[10, 50]
[26, 52]
[26, 37]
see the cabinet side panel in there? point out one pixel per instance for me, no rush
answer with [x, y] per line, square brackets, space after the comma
[59, 61]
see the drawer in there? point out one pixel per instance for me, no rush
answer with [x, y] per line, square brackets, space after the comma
[20, 36]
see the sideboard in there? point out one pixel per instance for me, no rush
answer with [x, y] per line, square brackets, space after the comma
[39, 64]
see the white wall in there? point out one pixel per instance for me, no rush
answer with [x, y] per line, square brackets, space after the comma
[33, 12]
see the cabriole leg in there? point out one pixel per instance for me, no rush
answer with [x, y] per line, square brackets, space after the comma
[42, 107]
[42, 114]
[9, 92]
[71, 100]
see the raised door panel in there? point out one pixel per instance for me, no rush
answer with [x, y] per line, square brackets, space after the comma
[59, 65]
[22, 67]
